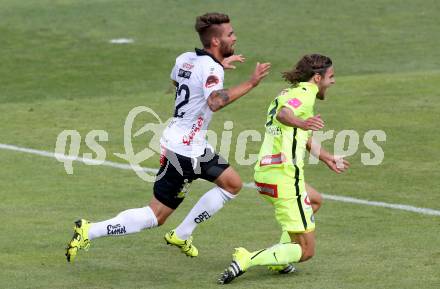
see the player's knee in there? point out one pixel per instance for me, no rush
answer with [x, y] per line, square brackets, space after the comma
[234, 186]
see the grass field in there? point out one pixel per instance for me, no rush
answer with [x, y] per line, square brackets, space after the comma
[58, 71]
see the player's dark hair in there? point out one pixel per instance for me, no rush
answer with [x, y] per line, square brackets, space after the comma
[306, 67]
[207, 26]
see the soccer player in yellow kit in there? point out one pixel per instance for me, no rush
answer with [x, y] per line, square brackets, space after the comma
[279, 174]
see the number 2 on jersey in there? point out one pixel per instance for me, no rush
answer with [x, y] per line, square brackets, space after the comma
[272, 112]
[179, 90]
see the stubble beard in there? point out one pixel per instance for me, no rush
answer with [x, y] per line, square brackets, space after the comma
[226, 51]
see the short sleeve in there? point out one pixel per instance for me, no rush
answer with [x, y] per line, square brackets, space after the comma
[294, 103]
[173, 75]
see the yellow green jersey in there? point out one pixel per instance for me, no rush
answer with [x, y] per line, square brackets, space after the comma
[283, 148]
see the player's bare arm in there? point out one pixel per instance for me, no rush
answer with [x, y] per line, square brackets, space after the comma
[336, 163]
[287, 117]
[220, 98]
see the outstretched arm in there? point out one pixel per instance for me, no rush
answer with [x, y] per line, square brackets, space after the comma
[221, 98]
[336, 163]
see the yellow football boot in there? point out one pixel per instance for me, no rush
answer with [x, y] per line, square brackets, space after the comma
[80, 239]
[185, 246]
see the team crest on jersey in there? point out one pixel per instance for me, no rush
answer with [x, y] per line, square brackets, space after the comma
[295, 102]
[211, 81]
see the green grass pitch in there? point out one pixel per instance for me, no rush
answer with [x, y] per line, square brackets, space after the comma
[58, 71]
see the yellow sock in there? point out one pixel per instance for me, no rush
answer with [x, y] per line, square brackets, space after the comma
[279, 254]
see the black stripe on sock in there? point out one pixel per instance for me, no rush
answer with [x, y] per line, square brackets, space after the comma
[235, 268]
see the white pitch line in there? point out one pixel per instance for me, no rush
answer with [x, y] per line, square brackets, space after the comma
[424, 211]
[122, 41]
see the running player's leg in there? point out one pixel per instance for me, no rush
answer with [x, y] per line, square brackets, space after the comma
[131, 221]
[126, 222]
[307, 243]
[167, 187]
[166, 199]
[301, 249]
[228, 182]
[277, 255]
[296, 217]
[294, 214]
[316, 202]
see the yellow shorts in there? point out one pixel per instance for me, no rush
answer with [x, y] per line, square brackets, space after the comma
[293, 209]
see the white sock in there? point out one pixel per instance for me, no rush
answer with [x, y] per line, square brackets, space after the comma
[126, 222]
[211, 202]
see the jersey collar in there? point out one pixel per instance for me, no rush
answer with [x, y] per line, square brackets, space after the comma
[201, 52]
[308, 86]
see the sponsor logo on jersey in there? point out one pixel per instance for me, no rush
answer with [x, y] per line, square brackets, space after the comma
[274, 130]
[272, 159]
[188, 66]
[202, 217]
[184, 73]
[295, 102]
[211, 81]
[117, 229]
[267, 189]
[196, 127]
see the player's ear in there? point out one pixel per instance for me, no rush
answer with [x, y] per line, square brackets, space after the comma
[215, 41]
[317, 77]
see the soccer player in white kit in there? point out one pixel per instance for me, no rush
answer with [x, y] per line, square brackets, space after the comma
[186, 155]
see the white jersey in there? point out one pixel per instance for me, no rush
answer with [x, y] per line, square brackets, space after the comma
[197, 74]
